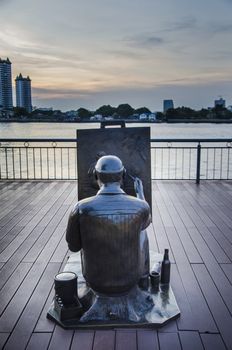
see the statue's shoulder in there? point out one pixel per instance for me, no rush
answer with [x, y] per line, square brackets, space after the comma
[80, 205]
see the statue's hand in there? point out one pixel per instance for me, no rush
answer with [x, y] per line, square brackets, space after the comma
[138, 186]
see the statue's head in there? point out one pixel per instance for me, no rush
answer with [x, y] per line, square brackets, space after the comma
[109, 169]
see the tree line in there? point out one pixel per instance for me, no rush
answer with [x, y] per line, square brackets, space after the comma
[125, 111]
[185, 113]
[122, 111]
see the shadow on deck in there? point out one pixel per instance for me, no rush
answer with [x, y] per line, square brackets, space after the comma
[194, 222]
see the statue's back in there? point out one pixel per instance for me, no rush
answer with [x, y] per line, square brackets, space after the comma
[110, 227]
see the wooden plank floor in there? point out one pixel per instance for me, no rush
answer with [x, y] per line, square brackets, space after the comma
[194, 222]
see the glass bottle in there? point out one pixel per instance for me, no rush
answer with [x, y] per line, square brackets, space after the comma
[165, 268]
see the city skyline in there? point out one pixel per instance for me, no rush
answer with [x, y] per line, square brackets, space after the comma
[87, 54]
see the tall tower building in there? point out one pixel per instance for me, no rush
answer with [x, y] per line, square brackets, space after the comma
[167, 104]
[6, 101]
[23, 92]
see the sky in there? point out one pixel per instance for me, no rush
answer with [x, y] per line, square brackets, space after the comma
[81, 53]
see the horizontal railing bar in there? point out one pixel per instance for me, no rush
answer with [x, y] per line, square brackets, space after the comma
[191, 140]
[152, 147]
[76, 140]
[36, 140]
[186, 147]
[215, 147]
[39, 179]
[176, 147]
[38, 147]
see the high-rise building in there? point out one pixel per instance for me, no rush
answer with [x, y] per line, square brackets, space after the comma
[6, 101]
[23, 92]
[168, 104]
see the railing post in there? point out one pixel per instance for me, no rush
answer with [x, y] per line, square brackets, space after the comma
[198, 164]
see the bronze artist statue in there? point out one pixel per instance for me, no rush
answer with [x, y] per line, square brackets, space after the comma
[109, 283]
[108, 229]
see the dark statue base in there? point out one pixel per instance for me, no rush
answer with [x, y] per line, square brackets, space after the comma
[138, 308]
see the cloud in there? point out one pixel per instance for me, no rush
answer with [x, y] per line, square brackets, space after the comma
[223, 27]
[223, 54]
[48, 93]
[63, 92]
[127, 54]
[161, 37]
[152, 41]
[16, 38]
[185, 23]
[146, 40]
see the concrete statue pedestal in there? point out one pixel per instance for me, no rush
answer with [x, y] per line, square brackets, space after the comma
[144, 308]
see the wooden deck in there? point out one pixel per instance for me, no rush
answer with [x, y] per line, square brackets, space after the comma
[194, 222]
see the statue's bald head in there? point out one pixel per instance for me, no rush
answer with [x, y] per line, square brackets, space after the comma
[109, 169]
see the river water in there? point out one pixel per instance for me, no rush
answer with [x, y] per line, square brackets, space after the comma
[68, 130]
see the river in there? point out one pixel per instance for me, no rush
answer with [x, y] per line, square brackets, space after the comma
[68, 130]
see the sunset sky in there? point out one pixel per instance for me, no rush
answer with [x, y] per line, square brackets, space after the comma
[81, 53]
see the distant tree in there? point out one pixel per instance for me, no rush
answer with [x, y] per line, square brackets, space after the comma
[171, 113]
[203, 113]
[84, 113]
[106, 110]
[20, 111]
[218, 112]
[219, 108]
[48, 113]
[142, 110]
[124, 110]
[160, 116]
[221, 112]
[115, 115]
[180, 113]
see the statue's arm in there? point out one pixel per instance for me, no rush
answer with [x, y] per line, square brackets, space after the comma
[73, 236]
[147, 216]
[138, 186]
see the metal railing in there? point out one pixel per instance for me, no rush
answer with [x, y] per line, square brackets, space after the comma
[56, 159]
[191, 159]
[38, 159]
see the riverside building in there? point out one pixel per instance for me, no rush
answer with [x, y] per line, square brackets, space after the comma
[23, 92]
[167, 104]
[6, 101]
[221, 102]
